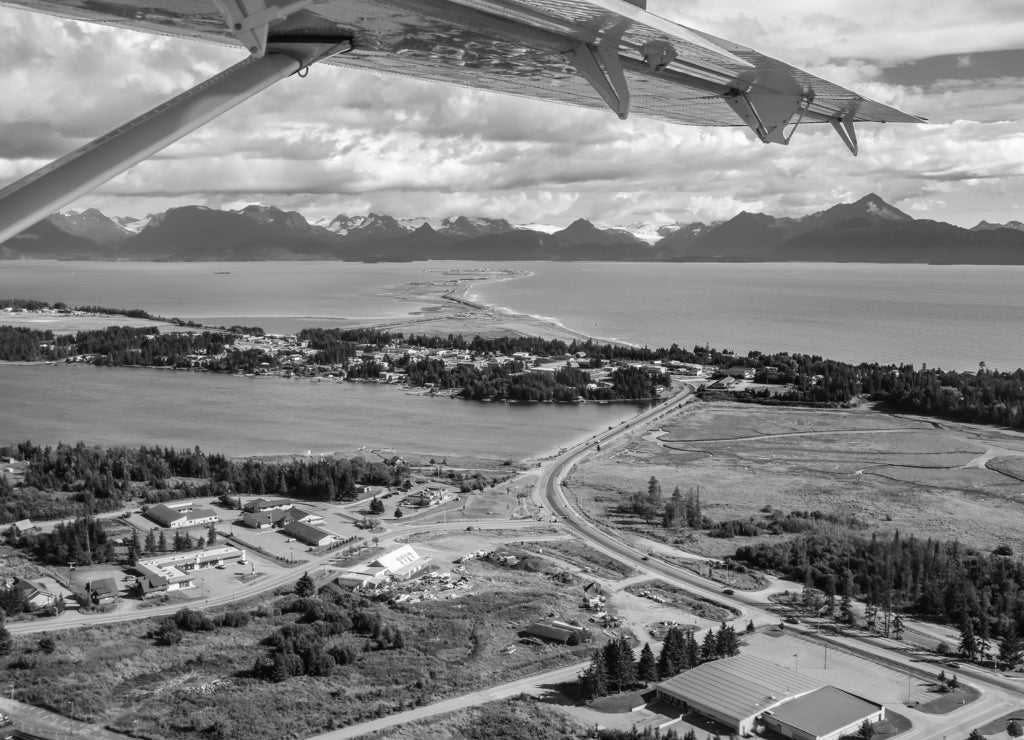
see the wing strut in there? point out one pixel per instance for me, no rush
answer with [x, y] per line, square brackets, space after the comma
[768, 113]
[36, 196]
[609, 81]
[844, 127]
[250, 20]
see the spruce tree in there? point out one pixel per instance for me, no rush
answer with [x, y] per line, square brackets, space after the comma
[305, 587]
[646, 667]
[968, 643]
[162, 543]
[211, 536]
[1011, 649]
[594, 680]
[692, 651]
[709, 647]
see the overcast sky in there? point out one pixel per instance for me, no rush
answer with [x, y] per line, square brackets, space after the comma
[349, 142]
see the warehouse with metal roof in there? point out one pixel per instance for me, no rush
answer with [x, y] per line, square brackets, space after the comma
[735, 691]
[826, 714]
[743, 690]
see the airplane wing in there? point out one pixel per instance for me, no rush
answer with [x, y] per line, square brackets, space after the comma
[590, 53]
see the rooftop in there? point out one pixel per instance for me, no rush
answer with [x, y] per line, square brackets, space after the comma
[739, 687]
[824, 711]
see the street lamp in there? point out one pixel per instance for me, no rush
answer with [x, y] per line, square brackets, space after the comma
[796, 662]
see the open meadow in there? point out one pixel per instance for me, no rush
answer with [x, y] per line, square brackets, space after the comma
[874, 471]
[227, 679]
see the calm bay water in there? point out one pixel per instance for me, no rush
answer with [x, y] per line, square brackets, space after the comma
[951, 317]
[945, 316]
[948, 316]
[258, 416]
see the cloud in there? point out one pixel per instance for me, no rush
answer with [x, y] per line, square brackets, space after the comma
[963, 61]
[345, 140]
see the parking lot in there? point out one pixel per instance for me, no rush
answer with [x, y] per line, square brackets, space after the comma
[840, 669]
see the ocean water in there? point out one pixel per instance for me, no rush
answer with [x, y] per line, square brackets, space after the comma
[950, 317]
[944, 316]
[262, 416]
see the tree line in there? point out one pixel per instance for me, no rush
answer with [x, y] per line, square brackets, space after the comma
[613, 668]
[940, 581]
[104, 479]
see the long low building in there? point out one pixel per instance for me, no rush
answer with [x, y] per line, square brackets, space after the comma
[181, 515]
[307, 533]
[742, 691]
[176, 571]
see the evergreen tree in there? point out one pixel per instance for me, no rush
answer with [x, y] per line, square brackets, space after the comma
[693, 513]
[150, 541]
[376, 506]
[726, 642]
[305, 587]
[211, 536]
[6, 640]
[627, 665]
[646, 667]
[968, 643]
[709, 647]
[1011, 649]
[692, 651]
[975, 735]
[897, 627]
[865, 731]
[593, 681]
[162, 542]
[398, 512]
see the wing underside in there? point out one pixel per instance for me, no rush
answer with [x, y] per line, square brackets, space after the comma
[530, 48]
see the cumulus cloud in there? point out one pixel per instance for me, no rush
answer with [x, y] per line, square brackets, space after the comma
[349, 141]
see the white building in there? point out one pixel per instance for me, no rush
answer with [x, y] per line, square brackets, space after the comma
[176, 571]
[400, 564]
[181, 515]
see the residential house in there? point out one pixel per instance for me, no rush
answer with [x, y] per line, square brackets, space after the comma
[102, 591]
[36, 596]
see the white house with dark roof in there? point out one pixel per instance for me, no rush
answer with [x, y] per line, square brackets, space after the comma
[35, 594]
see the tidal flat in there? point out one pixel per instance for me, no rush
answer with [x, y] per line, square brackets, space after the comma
[886, 472]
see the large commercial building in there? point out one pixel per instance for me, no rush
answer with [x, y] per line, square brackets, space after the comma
[399, 564]
[176, 571]
[826, 714]
[741, 691]
[177, 516]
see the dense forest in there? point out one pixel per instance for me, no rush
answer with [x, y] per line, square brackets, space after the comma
[105, 479]
[941, 581]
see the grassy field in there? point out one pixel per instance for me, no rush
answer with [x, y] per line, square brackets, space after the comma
[202, 687]
[948, 481]
[577, 553]
[683, 600]
[519, 718]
